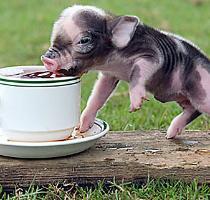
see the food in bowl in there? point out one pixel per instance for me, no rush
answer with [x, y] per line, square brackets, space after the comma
[32, 74]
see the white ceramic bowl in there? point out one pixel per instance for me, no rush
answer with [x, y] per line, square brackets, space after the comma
[38, 109]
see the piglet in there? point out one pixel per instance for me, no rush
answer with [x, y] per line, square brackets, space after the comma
[124, 48]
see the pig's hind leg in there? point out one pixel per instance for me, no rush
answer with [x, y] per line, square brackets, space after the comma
[182, 120]
[199, 92]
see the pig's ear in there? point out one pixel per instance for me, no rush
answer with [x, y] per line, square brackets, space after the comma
[122, 30]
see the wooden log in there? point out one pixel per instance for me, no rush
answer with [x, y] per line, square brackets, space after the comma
[128, 156]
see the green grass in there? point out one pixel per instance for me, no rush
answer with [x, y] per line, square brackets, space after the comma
[152, 190]
[25, 27]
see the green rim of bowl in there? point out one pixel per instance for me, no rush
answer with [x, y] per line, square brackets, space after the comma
[39, 85]
[37, 81]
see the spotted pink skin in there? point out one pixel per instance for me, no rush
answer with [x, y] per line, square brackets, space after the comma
[118, 68]
[205, 83]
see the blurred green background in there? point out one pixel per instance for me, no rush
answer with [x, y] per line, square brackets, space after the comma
[25, 27]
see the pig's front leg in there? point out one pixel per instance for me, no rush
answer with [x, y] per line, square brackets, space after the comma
[141, 72]
[137, 96]
[101, 91]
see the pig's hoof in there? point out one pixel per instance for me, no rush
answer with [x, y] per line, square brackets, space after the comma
[134, 109]
[171, 133]
[169, 137]
[137, 103]
[85, 127]
[145, 98]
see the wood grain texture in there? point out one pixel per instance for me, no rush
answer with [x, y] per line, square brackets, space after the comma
[128, 156]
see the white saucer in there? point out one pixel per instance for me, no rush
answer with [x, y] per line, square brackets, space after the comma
[53, 149]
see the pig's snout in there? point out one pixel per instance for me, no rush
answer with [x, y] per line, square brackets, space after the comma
[50, 64]
[49, 60]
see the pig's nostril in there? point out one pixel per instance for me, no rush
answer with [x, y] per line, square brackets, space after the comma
[50, 54]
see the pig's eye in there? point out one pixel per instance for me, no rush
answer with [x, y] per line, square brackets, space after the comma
[85, 44]
[85, 40]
